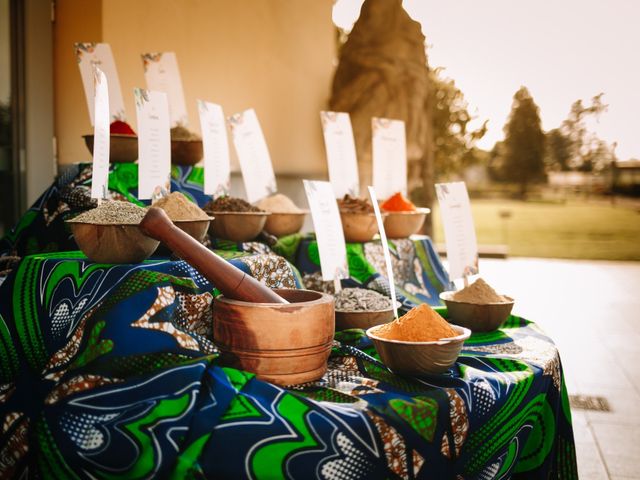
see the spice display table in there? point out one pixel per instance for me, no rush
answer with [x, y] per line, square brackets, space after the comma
[110, 371]
[107, 370]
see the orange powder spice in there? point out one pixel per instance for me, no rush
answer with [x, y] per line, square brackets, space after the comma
[421, 324]
[397, 203]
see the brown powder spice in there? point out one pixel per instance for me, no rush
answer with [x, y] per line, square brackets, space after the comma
[178, 207]
[479, 292]
[420, 324]
[351, 204]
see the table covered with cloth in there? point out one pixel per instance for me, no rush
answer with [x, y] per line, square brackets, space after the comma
[109, 371]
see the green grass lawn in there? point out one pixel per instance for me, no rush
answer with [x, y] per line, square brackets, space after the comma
[583, 230]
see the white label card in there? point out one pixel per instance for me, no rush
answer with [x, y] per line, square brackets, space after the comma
[328, 228]
[154, 143]
[217, 168]
[459, 232]
[389, 156]
[89, 56]
[162, 74]
[101, 136]
[253, 155]
[385, 249]
[341, 153]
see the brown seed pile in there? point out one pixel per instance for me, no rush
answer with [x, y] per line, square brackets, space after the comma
[361, 300]
[113, 212]
[351, 204]
[479, 292]
[178, 207]
[420, 324]
[278, 203]
[230, 204]
[183, 134]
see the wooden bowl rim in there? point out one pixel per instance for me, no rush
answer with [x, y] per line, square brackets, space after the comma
[324, 298]
[363, 214]
[80, 222]
[187, 141]
[208, 219]
[446, 296]
[117, 135]
[244, 214]
[417, 211]
[464, 335]
[296, 214]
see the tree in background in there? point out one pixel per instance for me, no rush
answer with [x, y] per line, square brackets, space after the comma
[454, 140]
[558, 151]
[524, 142]
[450, 146]
[588, 152]
[573, 147]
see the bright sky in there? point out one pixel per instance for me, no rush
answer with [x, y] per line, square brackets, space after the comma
[561, 50]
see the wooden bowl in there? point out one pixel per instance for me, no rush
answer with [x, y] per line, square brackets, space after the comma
[237, 226]
[285, 344]
[404, 224]
[186, 152]
[122, 148]
[194, 228]
[112, 243]
[362, 319]
[418, 358]
[281, 224]
[358, 227]
[485, 317]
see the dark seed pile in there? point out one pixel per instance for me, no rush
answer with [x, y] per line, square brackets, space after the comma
[361, 300]
[351, 204]
[230, 204]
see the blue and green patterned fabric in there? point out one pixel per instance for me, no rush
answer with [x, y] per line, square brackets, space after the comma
[109, 371]
[418, 272]
[42, 229]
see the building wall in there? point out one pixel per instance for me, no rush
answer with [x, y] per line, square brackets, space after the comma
[38, 159]
[276, 56]
[76, 21]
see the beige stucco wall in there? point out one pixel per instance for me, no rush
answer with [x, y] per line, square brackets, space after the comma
[273, 55]
[76, 21]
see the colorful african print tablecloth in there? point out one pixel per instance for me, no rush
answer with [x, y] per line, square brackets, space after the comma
[109, 371]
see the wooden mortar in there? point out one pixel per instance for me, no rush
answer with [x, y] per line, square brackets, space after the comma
[282, 344]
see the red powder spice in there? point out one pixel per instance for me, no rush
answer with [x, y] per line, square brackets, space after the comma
[397, 203]
[121, 128]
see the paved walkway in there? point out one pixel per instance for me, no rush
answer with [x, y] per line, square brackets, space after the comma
[592, 311]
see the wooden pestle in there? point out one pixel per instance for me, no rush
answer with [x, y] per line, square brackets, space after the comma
[230, 280]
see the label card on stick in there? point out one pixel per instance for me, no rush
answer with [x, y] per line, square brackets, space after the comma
[217, 167]
[101, 136]
[459, 232]
[89, 56]
[389, 156]
[253, 155]
[162, 75]
[341, 153]
[154, 143]
[328, 228]
[385, 250]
